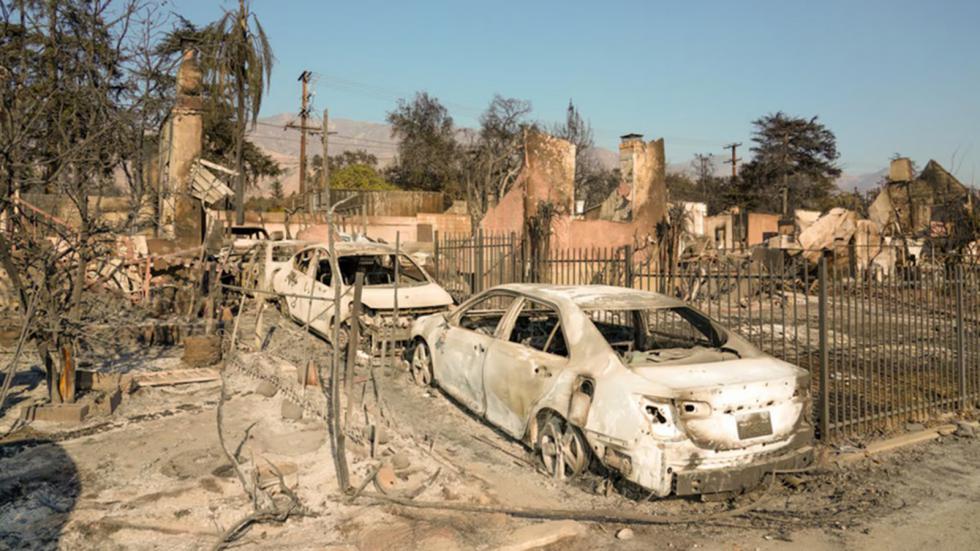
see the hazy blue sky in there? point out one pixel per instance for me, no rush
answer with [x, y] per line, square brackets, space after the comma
[886, 77]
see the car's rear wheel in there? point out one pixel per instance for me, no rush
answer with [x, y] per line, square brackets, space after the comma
[564, 451]
[421, 366]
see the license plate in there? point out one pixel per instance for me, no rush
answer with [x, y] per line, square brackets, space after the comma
[754, 425]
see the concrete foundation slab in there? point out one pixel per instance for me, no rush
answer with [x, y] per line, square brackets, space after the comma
[56, 413]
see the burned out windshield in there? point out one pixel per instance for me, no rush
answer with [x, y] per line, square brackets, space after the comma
[379, 269]
[660, 334]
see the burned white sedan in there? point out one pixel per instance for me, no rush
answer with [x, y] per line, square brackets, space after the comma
[307, 289]
[637, 382]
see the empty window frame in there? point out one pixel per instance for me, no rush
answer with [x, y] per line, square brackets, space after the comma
[538, 326]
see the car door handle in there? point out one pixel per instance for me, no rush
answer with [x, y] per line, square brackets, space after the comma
[479, 348]
[542, 371]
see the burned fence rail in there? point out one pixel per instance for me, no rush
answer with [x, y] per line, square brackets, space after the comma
[883, 349]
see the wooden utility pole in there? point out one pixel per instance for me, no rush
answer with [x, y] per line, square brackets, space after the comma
[325, 169]
[735, 159]
[304, 77]
[325, 162]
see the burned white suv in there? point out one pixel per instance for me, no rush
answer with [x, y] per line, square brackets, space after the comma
[306, 286]
[641, 383]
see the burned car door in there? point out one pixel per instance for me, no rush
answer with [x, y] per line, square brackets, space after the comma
[523, 365]
[321, 308]
[298, 282]
[463, 345]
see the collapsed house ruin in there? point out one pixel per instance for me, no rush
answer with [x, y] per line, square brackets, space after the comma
[930, 204]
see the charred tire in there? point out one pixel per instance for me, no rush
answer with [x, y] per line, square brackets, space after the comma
[421, 364]
[282, 307]
[343, 337]
[564, 451]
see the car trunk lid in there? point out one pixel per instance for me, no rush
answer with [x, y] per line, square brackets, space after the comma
[732, 404]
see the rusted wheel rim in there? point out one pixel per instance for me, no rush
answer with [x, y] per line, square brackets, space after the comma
[563, 451]
[422, 365]
[574, 451]
[343, 337]
[551, 453]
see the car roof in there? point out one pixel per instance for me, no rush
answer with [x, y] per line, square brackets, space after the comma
[346, 248]
[594, 297]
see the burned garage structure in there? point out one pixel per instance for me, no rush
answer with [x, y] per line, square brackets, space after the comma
[641, 384]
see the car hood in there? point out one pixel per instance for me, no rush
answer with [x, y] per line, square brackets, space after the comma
[382, 297]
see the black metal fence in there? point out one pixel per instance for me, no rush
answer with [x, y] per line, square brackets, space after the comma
[883, 349]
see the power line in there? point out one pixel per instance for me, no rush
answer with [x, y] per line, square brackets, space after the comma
[384, 93]
[313, 130]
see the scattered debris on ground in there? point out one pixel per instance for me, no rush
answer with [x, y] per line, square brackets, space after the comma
[425, 474]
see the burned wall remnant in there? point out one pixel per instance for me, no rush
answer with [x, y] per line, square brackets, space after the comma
[549, 173]
[634, 210]
[548, 177]
[740, 229]
[630, 215]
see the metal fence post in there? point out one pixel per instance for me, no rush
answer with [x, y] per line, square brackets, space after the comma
[628, 267]
[513, 258]
[524, 255]
[960, 337]
[478, 264]
[435, 256]
[824, 412]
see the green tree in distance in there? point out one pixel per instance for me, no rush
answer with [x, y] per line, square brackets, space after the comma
[796, 153]
[427, 149]
[359, 176]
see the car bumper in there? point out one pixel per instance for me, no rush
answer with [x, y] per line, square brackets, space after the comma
[737, 479]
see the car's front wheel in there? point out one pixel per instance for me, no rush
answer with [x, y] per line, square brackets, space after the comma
[344, 336]
[421, 366]
[564, 451]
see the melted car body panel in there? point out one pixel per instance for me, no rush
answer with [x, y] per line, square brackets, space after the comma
[516, 378]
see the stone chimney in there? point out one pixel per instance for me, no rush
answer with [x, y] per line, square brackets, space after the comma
[643, 178]
[181, 216]
[900, 170]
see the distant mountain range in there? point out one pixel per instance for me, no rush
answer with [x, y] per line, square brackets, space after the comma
[282, 143]
[861, 182]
